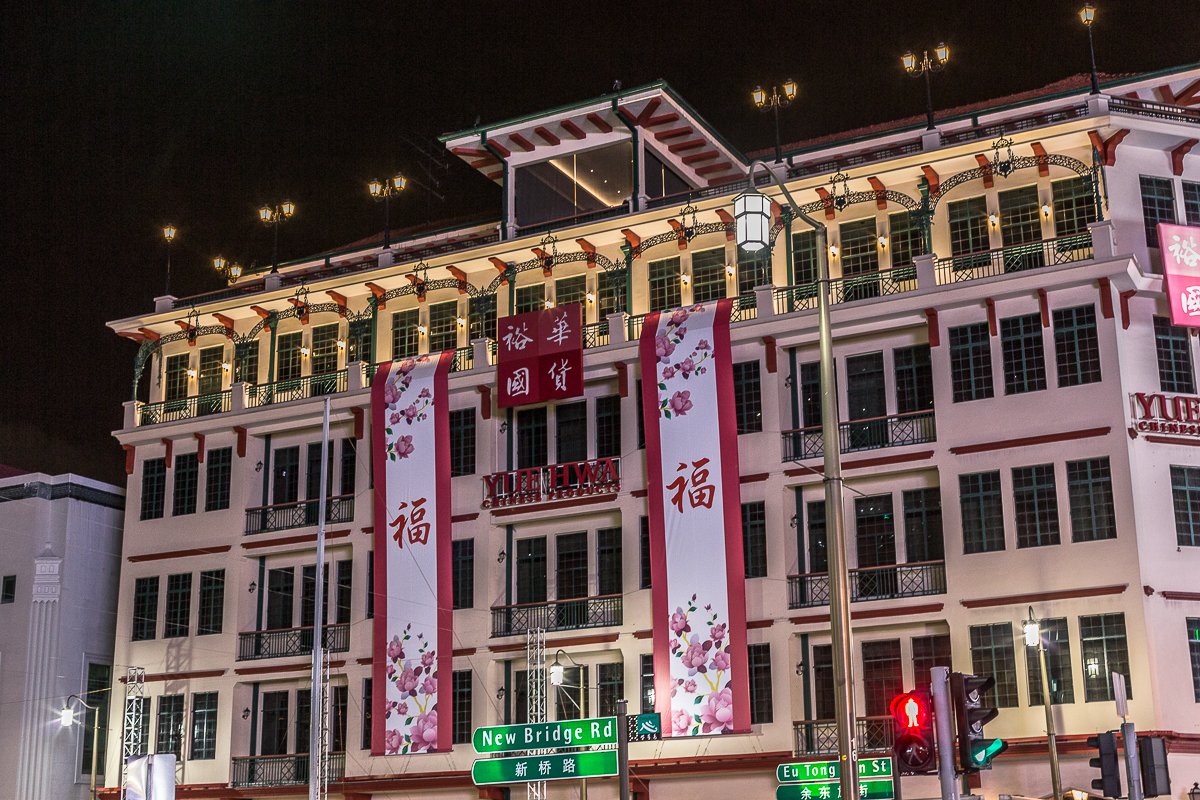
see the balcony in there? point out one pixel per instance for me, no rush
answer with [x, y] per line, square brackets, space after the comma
[896, 430]
[871, 583]
[186, 408]
[289, 770]
[256, 645]
[296, 389]
[298, 514]
[552, 483]
[818, 737]
[1147, 108]
[595, 334]
[1017, 258]
[884, 283]
[557, 615]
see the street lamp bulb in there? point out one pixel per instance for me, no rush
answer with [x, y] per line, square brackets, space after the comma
[375, 188]
[288, 208]
[752, 220]
[909, 61]
[399, 183]
[265, 214]
[759, 97]
[219, 263]
[66, 717]
[942, 52]
[1032, 633]
[1087, 14]
[789, 89]
[235, 270]
[557, 674]
[169, 233]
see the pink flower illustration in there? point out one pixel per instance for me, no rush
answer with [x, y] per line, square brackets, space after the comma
[392, 741]
[681, 403]
[679, 317]
[673, 644]
[716, 713]
[690, 686]
[703, 345]
[395, 649]
[663, 347]
[695, 657]
[402, 709]
[717, 632]
[427, 658]
[429, 686]
[391, 670]
[681, 332]
[407, 682]
[686, 367]
[681, 722]
[679, 622]
[424, 393]
[410, 413]
[407, 366]
[394, 419]
[391, 394]
[424, 732]
[404, 446]
[668, 373]
[720, 660]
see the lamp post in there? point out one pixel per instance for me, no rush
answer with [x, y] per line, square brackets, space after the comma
[232, 270]
[776, 101]
[1194, 792]
[1033, 638]
[169, 232]
[1087, 15]
[67, 718]
[381, 191]
[752, 215]
[273, 215]
[557, 674]
[925, 69]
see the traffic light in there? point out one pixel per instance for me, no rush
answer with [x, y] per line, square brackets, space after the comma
[975, 751]
[1152, 757]
[1109, 782]
[912, 733]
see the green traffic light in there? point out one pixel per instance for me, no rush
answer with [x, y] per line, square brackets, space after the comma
[984, 751]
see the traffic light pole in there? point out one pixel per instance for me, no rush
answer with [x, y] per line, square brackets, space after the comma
[943, 728]
[1133, 768]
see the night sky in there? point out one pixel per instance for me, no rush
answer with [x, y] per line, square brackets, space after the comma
[118, 117]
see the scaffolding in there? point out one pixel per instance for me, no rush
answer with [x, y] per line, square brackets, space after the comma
[535, 695]
[132, 744]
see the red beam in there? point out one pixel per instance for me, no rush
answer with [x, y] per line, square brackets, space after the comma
[622, 378]
[573, 129]
[826, 202]
[1040, 152]
[521, 142]
[1107, 148]
[1044, 307]
[199, 447]
[502, 268]
[500, 149]
[590, 249]
[673, 133]
[457, 273]
[932, 178]
[690, 144]
[991, 316]
[661, 119]
[709, 169]
[130, 450]
[241, 440]
[546, 135]
[547, 261]
[303, 309]
[679, 234]
[703, 155]
[986, 166]
[1106, 306]
[1187, 96]
[1179, 152]
[649, 110]
[772, 354]
[880, 190]
[1126, 296]
[727, 218]
[633, 239]
[359, 422]
[485, 401]
[379, 292]
[227, 322]
[473, 152]
[931, 323]
[170, 450]
[600, 123]
[263, 313]
[136, 337]
[339, 299]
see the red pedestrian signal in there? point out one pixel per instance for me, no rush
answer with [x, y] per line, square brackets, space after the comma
[912, 733]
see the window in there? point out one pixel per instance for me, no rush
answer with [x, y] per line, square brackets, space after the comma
[154, 487]
[286, 476]
[708, 275]
[568, 291]
[664, 284]
[905, 239]
[572, 698]
[914, 379]
[531, 437]
[1022, 352]
[344, 591]
[1191, 202]
[175, 379]
[208, 379]
[350, 462]
[530, 298]
[1036, 502]
[646, 573]
[647, 677]
[859, 250]
[287, 359]
[324, 349]
[245, 361]
[758, 657]
[8, 592]
[608, 561]
[169, 733]
[462, 442]
[312, 477]
[923, 525]
[308, 596]
[1020, 222]
[992, 654]
[747, 397]
[1074, 205]
[218, 470]
[753, 269]
[971, 362]
[359, 340]
[481, 317]
[443, 326]
[179, 605]
[204, 725]
[303, 720]
[337, 727]
[463, 575]
[571, 565]
[754, 539]
[611, 285]
[461, 727]
[212, 602]
[1076, 348]
[281, 593]
[145, 608]
[1058, 664]
[368, 707]
[1175, 372]
[1089, 487]
[531, 570]
[610, 687]
[866, 400]
[883, 676]
[1105, 651]
[982, 512]
[1185, 496]
[520, 695]
[810, 394]
[406, 339]
[99, 685]
[608, 426]
[968, 228]
[1158, 205]
[818, 554]
[371, 584]
[804, 258]
[187, 478]
[641, 421]
[1193, 637]
[929, 652]
[822, 675]
[570, 432]
[875, 536]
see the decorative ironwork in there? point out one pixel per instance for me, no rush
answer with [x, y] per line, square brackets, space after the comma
[298, 514]
[1146, 108]
[840, 201]
[819, 737]
[1018, 162]
[1002, 165]
[133, 744]
[1016, 258]
[896, 430]
[266, 394]
[871, 583]
[689, 229]
[302, 299]
[464, 359]
[744, 308]
[549, 246]
[634, 323]
[193, 323]
[187, 408]
[286, 770]
[595, 334]
[256, 645]
[557, 615]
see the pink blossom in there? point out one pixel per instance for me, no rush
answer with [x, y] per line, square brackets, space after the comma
[716, 713]
[427, 658]
[679, 622]
[392, 741]
[679, 317]
[663, 347]
[391, 394]
[720, 660]
[424, 393]
[410, 413]
[690, 686]
[407, 682]
[429, 685]
[681, 332]
[681, 723]
[681, 403]
[668, 373]
[424, 732]
[394, 419]
[697, 307]
[717, 632]
[674, 645]
[694, 658]
[686, 367]
[391, 670]
[395, 649]
[404, 447]
[402, 709]
[407, 366]
[703, 345]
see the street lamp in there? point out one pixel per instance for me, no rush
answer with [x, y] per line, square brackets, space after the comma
[383, 191]
[273, 215]
[1194, 792]
[1033, 638]
[557, 677]
[232, 270]
[1087, 15]
[926, 68]
[169, 234]
[752, 212]
[66, 718]
[781, 97]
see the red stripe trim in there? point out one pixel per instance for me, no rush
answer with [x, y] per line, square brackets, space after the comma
[1106, 305]
[445, 598]
[873, 613]
[379, 625]
[1173, 440]
[1026, 441]
[1040, 597]
[258, 544]
[165, 554]
[1189, 596]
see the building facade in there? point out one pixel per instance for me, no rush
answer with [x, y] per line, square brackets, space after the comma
[1011, 443]
[58, 603]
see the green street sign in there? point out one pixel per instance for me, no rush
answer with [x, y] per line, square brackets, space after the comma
[551, 767]
[805, 771]
[545, 735]
[644, 727]
[876, 789]
[818, 780]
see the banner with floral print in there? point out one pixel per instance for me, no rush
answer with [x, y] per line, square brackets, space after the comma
[410, 433]
[698, 600]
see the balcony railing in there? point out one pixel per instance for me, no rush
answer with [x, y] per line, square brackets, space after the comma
[896, 430]
[595, 334]
[187, 408]
[818, 737]
[1017, 258]
[552, 482]
[557, 615]
[1147, 108]
[464, 359]
[255, 645]
[286, 770]
[744, 308]
[871, 583]
[299, 514]
[635, 327]
[803, 297]
[296, 389]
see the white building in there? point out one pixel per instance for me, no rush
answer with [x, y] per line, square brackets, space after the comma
[988, 370]
[59, 565]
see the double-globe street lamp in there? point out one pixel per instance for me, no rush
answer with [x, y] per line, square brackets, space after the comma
[232, 270]
[781, 97]
[1034, 638]
[66, 718]
[273, 216]
[382, 191]
[925, 68]
[169, 232]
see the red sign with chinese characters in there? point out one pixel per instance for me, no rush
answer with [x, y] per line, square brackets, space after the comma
[1180, 249]
[539, 356]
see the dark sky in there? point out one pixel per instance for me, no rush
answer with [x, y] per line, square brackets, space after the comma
[117, 117]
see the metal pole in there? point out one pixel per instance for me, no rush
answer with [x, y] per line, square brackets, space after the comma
[623, 749]
[1092, 55]
[1133, 768]
[275, 247]
[95, 747]
[943, 729]
[316, 692]
[778, 142]
[1051, 738]
[927, 68]
[387, 218]
[582, 700]
[168, 291]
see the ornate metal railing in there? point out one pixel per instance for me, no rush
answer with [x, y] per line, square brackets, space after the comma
[296, 389]
[635, 327]
[300, 514]
[255, 645]
[557, 615]
[187, 408]
[1147, 108]
[552, 482]
[595, 334]
[285, 770]
[1012, 125]
[871, 583]
[464, 359]
[818, 737]
[803, 297]
[1016, 258]
[795, 298]
[745, 307]
[896, 430]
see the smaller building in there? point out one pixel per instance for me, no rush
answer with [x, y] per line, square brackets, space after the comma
[60, 540]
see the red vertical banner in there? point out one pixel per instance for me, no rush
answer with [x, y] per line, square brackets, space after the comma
[694, 496]
[539, 356]
[413, 645]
